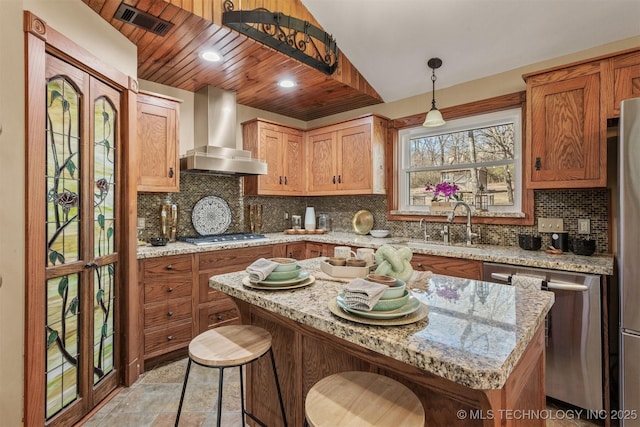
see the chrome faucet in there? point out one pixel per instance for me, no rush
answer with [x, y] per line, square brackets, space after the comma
[445, 233]
[470, 234]
[423, 225]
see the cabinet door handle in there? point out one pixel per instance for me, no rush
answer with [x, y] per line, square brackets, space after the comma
[219, 317]
[334, 179]
[538, 163]
[169, 267]
[169, 289]
[280, 180]
[339, 179]
[419, 265]
[170, 313]
[171, 172]
[285, 180]
[170, 337]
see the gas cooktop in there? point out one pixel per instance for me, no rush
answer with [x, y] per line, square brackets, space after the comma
[216, 239]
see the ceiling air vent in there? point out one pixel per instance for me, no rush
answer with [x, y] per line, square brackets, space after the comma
[141, 19]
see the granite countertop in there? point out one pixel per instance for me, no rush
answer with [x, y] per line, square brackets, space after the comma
[596, 264]
[474, 334]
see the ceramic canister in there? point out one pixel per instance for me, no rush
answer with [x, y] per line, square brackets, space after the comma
[310, 218]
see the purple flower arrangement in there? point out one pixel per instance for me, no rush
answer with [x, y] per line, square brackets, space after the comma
[445, 189]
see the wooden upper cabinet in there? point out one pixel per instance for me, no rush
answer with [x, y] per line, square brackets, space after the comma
[626, 79]
[158, 143]
[566, 128]
[283, 150]
[347, 158]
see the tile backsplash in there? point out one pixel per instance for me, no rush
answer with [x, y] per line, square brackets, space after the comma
[567, 204]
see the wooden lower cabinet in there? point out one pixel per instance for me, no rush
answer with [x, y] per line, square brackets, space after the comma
[304, 355]
[315, 250]
[296, 250]
[214, 307]
[168, 304]
[468, 269]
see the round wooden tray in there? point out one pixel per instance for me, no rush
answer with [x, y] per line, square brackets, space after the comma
[303, 231]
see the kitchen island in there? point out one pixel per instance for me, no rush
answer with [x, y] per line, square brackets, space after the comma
[477, 359]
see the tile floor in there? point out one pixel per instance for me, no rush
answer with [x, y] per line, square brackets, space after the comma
[153, 401]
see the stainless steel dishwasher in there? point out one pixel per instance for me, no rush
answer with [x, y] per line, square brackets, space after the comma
[574, 371]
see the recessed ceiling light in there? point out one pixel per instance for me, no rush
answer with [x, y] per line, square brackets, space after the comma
[286, 83]
[211, 56]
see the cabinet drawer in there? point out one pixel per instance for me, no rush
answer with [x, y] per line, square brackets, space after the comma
[468, 269]
[163, 313]
[221, 262]
[217, 313]
[157, 291]
[167, 267]
[168, 338]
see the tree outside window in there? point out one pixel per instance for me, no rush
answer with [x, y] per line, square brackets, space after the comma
[479, 153]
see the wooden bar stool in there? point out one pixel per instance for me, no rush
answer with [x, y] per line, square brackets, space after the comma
[362, 399]
[227, 347]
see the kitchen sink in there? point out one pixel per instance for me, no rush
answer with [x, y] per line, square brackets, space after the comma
[429, 245]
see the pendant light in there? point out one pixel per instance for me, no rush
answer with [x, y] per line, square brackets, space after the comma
[434, 117]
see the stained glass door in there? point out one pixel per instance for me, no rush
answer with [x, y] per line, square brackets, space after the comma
[81, 268]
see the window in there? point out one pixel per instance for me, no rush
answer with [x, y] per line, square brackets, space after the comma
[479, 154]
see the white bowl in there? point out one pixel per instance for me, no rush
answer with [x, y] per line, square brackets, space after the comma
[379, 233]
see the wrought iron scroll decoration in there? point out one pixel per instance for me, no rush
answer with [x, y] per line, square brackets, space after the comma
[292, 36]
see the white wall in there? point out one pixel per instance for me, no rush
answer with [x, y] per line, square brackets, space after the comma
[12, 213]
[75, 20]
[504, 83]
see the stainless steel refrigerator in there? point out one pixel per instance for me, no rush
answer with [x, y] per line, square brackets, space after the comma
[629, 261]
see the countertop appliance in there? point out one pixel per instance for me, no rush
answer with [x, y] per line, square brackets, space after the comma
[574, 368]
[217, 239]
[628, 248]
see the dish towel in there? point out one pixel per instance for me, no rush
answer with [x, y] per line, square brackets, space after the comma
[527, 282]
[362, 294]
[260, 269]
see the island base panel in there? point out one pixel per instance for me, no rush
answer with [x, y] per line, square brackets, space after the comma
[304, 355]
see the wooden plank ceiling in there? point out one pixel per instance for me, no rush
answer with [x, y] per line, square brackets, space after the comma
[250, 68]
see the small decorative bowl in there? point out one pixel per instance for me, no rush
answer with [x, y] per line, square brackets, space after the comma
[159, 241]
[395, 291]
[337, 261]
[381, 278]
[379, 233]
[285, 264]
[356, 262]
[391, 303]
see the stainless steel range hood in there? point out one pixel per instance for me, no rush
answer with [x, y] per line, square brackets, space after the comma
[215, 149]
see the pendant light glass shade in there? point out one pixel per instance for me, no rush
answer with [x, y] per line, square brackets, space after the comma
[434, 116]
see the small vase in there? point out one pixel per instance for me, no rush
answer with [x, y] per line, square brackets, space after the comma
[310, 218]
[441, 206]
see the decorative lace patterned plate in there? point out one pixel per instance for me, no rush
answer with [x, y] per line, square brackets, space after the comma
[211, 215]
